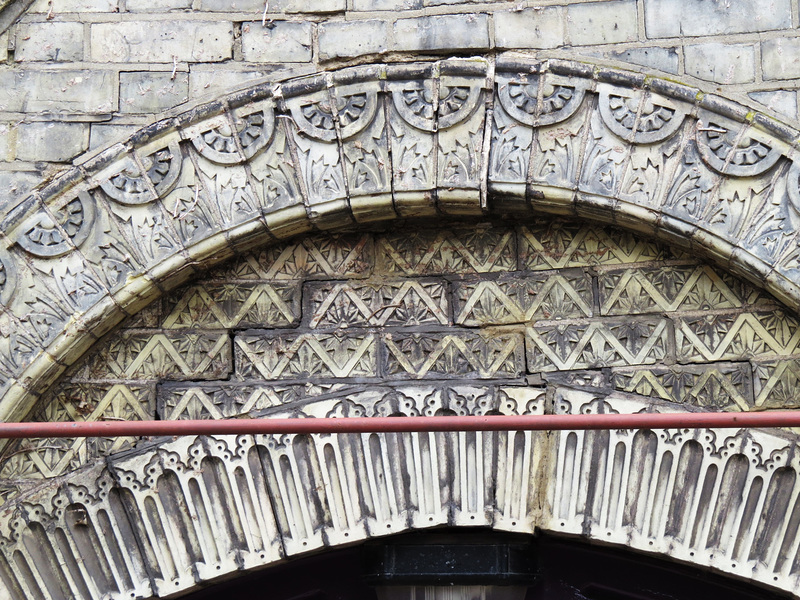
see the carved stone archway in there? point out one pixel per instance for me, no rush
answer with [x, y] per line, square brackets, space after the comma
[457, 138]
[454, 137]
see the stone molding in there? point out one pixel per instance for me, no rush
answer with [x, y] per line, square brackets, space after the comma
[458, 137]
[178, 513]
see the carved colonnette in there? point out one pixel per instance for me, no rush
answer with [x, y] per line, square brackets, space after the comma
[505, 135]
[726, 499]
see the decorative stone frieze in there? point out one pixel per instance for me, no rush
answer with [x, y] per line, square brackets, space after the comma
[542, 315]
[170, 515]
[551, 316]
[374, 143]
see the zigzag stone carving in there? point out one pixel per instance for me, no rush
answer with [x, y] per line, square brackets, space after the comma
[375, 143]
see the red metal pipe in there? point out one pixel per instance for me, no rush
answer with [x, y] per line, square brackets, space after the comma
[712, 420]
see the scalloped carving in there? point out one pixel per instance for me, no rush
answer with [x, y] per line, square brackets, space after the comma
[519, 96]
[315, 115]
[731, 150]
[638, 116]
[219, 140]
[163, 167]
[49, 236]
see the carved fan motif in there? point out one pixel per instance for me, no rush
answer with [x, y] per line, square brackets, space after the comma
[43, 236]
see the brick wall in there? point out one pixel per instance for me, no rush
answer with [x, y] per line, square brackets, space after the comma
[79, 74]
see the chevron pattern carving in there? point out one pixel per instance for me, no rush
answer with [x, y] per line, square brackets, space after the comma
[562, 302]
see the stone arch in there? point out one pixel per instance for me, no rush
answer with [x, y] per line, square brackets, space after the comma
[461, 137]
[453, 137]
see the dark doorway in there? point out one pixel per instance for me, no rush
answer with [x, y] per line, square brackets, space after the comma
[565, 570]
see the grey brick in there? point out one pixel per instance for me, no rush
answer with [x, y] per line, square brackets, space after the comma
[255, 6]
[4, 47]
[69, 91]
[306, 6]
[601, 22]
[445, 32]
[102, 134]
[146, 92]
[352, 38]
[537, 28]
[59, 7]
[8, 136]
[370, 5]
[160, 41]
[781, 101]
[720, 62]
[780, 58]
[673, 18]
[61, 42]
[282, 41]
[213, 82]
[52, 142]
[663, 59]
[151, 6]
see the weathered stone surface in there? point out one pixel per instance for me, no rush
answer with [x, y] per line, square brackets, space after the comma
[721, 63]
[520, 299]
[281, 41]
[17, 184]
[161, 42]
[56, 42]
[606, 23]
[56, 142]
[386, 328]
[144, 6]
[79, 91]
[159, 212]
[716, 386]
[74, 6]
[388, 5]
[780, 58]
[8, 137]
[672, 288]
[430, 252]
[148, 92]
[140, 355]
[301, 6]
[671, 18]
[535, 28]
[661, 59]
[205, 82]
[103, 134]
[225, 305]
[457, 354]
[352, 38]
[324, 490]
[441, 32]
[306, 356]
[782, 102]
